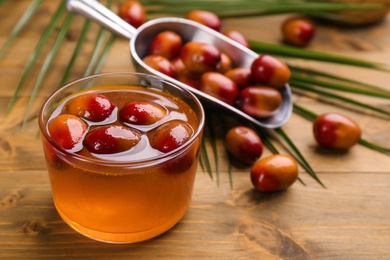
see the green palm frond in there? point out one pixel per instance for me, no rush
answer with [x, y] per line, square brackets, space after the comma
[35, 54]
[96, 52]
[298, 79]
[204, 158]
[104, 54]
[76, 52]
[46, 64]
[298, 155]
[30, 11]
[295, 52]
[331, 77]
[322, 93]
[99, 48]
[246, 8]
[376, 147]
[212, 134]
[268, 143]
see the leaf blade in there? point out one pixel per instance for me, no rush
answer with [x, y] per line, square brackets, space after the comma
[295, 52]
[341, 98]
[77, 50]
[33, 57]
[27, 15]
[297, 79]
[46, 64]
[299, 156]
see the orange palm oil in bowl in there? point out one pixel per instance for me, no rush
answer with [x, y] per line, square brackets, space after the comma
[126, 176]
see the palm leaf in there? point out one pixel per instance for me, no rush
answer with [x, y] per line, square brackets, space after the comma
[20, 25]
[76, 52]
[201, 163]
[305, 112]
[30, 63]
[309, 88]
[204, 157]
[213, 146]
[376, 147]
[268, 143]
[297, 79]
[301, 159]
[46, 64]
[295, 52]
[96, 52]
[247, 8]
[97, 49]
[224, 130]
[230, 169]
[315, 73]
[104, 55]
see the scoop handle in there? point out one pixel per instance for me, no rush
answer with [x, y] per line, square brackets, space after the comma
[100, 14]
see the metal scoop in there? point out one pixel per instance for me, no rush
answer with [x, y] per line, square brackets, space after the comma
[189, 30]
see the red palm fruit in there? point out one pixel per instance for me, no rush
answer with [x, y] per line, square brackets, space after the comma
[166, 44]
[52, 155]
[161, 64]
[91, 106]
[142, 113]
[171, 135]
[178, 65]
[219, 86]
[132, 12]
[190, 78]
[111, 139]
[244, 144]
[226, 63]
[241, 76]
[274, 173]
[200, 57]
[334, 130]
[67, 130]
[237, 36]
[259, 101]
[206, 18]
[270, 71]
[298, 31]
[182, 163]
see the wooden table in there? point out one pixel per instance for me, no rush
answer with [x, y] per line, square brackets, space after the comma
[348, 220]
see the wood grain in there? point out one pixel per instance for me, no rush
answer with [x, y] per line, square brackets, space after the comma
[350, 219]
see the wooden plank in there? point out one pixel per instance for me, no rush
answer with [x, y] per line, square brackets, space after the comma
[303, 222]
